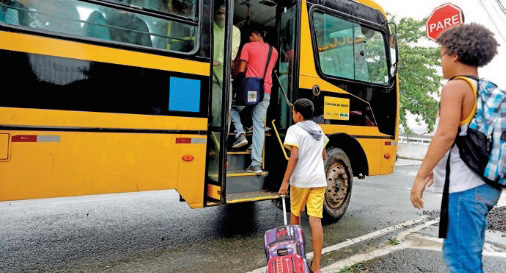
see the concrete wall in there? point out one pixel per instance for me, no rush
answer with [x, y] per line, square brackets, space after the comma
[411, 151]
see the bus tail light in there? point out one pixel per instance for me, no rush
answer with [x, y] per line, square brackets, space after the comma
[188, 158]
[387, 156]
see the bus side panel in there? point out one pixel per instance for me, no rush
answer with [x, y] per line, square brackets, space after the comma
[387, 164]
[375, 150]
[192, 170]
[55, 164]
[372, 150]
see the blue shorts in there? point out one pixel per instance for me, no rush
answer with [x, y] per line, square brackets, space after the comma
[463, 246]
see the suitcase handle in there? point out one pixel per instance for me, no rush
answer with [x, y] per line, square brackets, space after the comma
[284, 209]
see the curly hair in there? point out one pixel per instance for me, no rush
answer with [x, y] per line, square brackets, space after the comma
[474, 44]
[305, 107]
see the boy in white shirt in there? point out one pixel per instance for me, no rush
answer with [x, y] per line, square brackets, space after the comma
[305, 172]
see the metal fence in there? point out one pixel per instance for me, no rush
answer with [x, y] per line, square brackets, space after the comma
[414, 140]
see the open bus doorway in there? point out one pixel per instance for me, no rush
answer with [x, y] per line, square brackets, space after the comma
[278, 23]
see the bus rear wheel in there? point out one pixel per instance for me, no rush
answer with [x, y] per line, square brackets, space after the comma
[339, 183]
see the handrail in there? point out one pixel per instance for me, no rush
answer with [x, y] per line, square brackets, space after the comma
[283, 90]
[279, 139]
[215, 139]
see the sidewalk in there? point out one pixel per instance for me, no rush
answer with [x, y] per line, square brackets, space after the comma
[407, 162]
[418, 249]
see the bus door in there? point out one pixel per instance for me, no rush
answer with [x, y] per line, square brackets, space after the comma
[287, 75]
[219, 102]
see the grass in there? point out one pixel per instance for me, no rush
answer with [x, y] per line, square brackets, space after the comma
[358, 267]
[393, 242]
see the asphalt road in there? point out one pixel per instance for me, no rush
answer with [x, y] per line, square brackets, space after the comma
[154, 232]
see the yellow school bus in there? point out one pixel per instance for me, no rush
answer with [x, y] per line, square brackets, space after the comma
[109, 96]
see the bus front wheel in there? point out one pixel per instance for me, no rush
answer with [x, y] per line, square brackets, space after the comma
[339, 181]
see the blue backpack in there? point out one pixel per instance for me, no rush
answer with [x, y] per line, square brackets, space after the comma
[483, 148]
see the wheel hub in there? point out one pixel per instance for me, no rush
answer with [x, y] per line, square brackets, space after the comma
[337, 185]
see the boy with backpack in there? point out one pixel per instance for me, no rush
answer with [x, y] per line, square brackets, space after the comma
[305, 172]
[470, 174]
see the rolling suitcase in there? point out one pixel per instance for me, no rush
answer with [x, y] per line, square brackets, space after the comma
[285, 248]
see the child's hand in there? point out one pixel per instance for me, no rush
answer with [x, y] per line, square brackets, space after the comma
[417, 192]
[283, 189]
[430, 180]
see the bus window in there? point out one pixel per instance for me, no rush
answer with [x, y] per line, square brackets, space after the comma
[370, 56]
[185, 8]
[8, 13]
[335, 49]
[79, 18]
[349, 50]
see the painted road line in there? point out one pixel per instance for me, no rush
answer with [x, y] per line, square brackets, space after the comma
[405, 242]
[369, 236]
[360, 239]
[336, 267]
[405, 233]
[435, 244]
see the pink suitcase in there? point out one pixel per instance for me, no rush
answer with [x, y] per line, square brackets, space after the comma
[285, 248]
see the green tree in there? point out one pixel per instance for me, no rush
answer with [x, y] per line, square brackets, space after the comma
[419, 77]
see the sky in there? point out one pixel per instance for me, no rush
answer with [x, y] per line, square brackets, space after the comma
[485, 12]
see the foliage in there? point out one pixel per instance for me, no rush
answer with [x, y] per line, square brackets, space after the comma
[393, 242]
[359, 267]
[419, 78]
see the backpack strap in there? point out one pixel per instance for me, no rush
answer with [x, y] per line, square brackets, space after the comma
[268, 61]
[474, 86]
[445, 202]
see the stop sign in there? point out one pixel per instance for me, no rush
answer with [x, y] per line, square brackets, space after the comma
[442, 18]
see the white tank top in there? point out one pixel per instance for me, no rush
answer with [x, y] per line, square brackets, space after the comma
[461, 177]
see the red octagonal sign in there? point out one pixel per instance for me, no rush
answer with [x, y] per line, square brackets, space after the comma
[442, 18]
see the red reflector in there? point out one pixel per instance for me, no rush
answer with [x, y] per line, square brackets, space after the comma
[183, 140]
[388, 143]
[188, 158]
[387, 156]
[24, 138]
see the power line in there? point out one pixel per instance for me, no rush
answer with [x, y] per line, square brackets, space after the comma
[499, 14]
[492, 19]
[503, 9]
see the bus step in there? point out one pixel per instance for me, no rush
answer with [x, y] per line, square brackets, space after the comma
[238, 160]
[249, 134]
[240, 182]
[251, 196]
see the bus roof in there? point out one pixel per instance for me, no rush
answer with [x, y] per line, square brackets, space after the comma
[373, 5]
[368, 3]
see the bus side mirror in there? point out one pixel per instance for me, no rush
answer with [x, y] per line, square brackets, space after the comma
[393, 55]
[394, 52]
[393, 70]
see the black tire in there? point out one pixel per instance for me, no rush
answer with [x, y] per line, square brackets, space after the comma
[339, 183]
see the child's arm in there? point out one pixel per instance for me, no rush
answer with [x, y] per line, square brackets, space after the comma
[452, 97]
[324, 154]
[292, 162]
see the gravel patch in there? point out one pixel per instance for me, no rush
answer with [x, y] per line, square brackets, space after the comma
[496, 218]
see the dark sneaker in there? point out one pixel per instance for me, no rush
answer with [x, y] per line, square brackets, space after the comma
[240, 141]
[254, 169]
